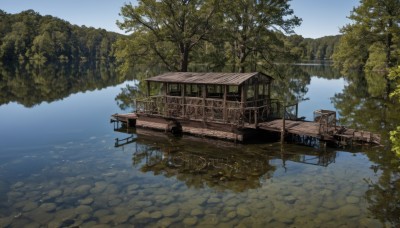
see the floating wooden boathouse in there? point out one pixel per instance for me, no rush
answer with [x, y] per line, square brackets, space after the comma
[231, 106]
[222, 105]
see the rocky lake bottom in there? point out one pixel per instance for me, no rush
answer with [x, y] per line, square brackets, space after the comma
[93, 184]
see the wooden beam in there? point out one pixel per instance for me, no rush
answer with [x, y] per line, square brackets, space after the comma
[225, 95]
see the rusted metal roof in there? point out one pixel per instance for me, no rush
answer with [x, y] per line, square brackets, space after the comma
[204, 78]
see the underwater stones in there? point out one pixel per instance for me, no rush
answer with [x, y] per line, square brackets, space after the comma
[6, 221]
[368, 222]
[170, 211]
[121, 218]
[164, 222]
[48, 207]
[209, 219]
[197, 212]
[213, 200]
[190, 221]
[352, 199]
[40, 216]
[19, 184]
[330, 204]
[231, 214]
[86, 201]
[349, 211]
[29, 206]
[99, 187]
[198, 201]
[243, 211]
[114, 202]
[81, 190]
[101, 212]
[83, 209]
[66, 214]
[290, 199]
[55, 193]
[143, 215]
[156, 215]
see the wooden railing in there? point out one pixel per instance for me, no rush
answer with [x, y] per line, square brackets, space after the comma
[209, 109]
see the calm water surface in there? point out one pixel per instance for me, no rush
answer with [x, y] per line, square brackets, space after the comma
[59, 168]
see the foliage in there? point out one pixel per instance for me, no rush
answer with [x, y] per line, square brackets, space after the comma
[372, 42]
[395, 134]
[168, 29]
[177, 33]
[30, 36]
[313, 49]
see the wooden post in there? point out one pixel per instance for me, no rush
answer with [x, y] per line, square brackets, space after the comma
[204, 94]
[225, 95]
[243, 91]
[283, 124]
[183, 101]
[165, 107]
[148, 89]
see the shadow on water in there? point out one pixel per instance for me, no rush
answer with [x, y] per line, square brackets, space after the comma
[200, 162]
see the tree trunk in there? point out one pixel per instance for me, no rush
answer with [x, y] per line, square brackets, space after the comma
[184, 57]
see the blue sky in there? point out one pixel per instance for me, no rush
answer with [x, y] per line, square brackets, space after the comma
[320, 17]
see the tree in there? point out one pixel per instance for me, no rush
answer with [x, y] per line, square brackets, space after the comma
[253, 27]
[395, 134]
[172, 28]
[371, 42]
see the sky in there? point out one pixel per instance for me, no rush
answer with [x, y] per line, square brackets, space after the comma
[320, 17]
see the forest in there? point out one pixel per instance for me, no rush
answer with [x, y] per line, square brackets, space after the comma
[31, 36]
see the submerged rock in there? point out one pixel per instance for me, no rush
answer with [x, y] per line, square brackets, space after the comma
[349, 211]
[86, 201]
[170, 211]
[55, 193]
[48, 207]
[352, 199]
[190, 221]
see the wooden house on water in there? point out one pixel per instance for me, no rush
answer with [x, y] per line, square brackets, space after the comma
[230, 106]
[222, 105]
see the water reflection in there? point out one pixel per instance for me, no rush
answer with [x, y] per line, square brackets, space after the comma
[31, 85]
[215, 164]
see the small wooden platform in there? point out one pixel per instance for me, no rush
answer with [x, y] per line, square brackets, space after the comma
[338, 134]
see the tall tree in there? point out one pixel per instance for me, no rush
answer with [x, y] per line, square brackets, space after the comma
[252, 28]
[372, 42]
[172, 28]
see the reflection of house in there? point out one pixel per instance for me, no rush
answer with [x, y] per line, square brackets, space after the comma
[213, 104]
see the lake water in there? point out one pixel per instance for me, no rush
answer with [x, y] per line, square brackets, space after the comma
[59, 166]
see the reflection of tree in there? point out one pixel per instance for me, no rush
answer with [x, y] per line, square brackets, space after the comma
[321, 70]
[220, 169]
[223, 167]
[291, 83]
[383, 196]
[30, 85]
[364, 104]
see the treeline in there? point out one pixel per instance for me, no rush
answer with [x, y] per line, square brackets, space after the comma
[31, 36]
[314, 49]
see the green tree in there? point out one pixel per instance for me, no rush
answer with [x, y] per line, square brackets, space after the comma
[252, 29]
[172, 28]
[395, 134]
[371, 42]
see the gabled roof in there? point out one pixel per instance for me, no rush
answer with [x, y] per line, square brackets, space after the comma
[204, 78]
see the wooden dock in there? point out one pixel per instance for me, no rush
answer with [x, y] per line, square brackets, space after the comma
[319, 130]
[337, 134]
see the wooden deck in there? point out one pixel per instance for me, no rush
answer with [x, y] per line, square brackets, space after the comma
[338, 134]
